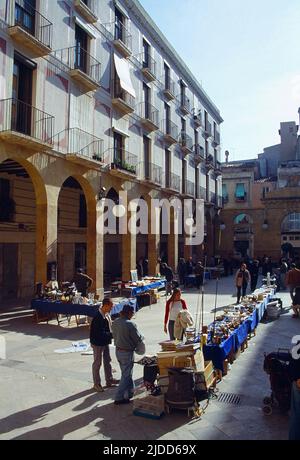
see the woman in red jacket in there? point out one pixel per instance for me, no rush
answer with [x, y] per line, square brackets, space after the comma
[174, 306]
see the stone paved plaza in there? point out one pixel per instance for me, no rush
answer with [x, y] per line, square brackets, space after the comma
[45, 395]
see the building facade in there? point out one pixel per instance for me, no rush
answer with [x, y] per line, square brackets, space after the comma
[262, 201]
[94, 101]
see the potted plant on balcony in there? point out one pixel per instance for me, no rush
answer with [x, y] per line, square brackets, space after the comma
[97, 157]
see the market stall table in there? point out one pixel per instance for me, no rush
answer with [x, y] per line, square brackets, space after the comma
[47, 307]
[219, 352]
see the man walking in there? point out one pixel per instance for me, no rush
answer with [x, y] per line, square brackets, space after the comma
[242, 279]
[100, 338]
[127, 340]
[169, 275]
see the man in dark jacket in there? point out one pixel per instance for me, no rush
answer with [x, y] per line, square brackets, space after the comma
[100, 338]
[254, 272]
[82, 282]
[169, 275]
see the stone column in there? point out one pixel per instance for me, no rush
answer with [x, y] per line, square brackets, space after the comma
[95, 247]
[173, 241]
[128, 246]
[46, 233]
[153, 242]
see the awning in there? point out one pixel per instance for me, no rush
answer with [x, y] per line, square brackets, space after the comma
[123, 71]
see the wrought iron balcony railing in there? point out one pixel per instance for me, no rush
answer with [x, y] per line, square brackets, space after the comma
[147, 111]
[25, 119]
[119, 93]
[169, 88]
[185, 104]
[203, 193]
[33, 22]
[185, 141]
[148, 65]
[76, 58]
[217, 138]
[173, 182]
[189, 188]
[170, 129]
[208, 129]
[123, 160]
[153, 173]
[79, 142]
[119, 33]
[198, 119]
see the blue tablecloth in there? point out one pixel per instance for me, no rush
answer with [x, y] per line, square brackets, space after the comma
[142, 289]
[218, 353]
[60, 308]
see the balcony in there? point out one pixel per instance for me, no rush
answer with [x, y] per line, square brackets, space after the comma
[173, 182]
[86, 8]
[218, 169]
[120, 36]
[198, 120]
[207, 130]
[121, 100]
[153, 173]
[170, 131]
[189, 188]
[203, 193]
[80, 147]
[185, 105]
[149, 116]
[217, 139]
[84, 68]
[199, 155]
[209, 163]
[31, 29]
[123, 164]
[148, 67]
[24, 125]
[169, 90]
[186, 143]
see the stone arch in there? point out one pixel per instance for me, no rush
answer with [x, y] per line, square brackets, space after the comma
[38, 264]
[243, 218]
[90, 238]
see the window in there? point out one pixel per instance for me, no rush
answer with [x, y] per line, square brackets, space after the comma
[146, 54]
[240, 192]
[146, 143]
[196, 135]
[7, 208]
[119, 25]
[167, 77]
[147, 98]
[168, 167]
[82, 41]
[25, 15]
[82, 212]
[205, 119]
[118, 148]
[291, 223]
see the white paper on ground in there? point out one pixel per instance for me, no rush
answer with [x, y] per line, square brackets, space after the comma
[77, 347]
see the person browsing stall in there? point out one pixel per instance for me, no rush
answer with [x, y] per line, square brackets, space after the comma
[101, 338]
[82, 282]
[128, 340]
[173, 307]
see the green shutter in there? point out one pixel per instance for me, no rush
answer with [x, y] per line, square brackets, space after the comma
[240, 191]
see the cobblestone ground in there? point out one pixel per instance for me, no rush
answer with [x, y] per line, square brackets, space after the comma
[45, 395]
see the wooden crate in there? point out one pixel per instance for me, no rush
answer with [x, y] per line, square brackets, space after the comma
[191, 359]
[207, 378]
